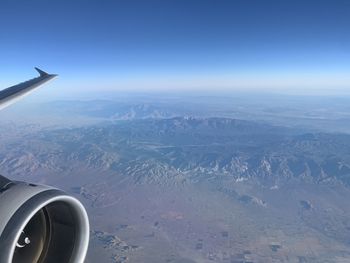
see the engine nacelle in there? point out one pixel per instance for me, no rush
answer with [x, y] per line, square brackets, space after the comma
[40, 224]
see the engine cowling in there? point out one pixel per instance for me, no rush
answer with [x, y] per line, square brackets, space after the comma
[40, 224]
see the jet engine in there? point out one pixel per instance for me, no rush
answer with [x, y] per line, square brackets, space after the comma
[40, 224]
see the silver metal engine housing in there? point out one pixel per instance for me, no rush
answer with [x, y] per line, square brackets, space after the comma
[40, 224]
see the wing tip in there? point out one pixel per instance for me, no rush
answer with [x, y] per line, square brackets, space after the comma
[41, 72]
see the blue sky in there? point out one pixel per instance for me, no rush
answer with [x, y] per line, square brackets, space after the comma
[178, 44]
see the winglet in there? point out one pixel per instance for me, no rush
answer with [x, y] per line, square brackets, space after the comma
[41, 72]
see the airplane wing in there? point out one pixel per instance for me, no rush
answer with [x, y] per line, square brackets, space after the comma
[12, 94]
